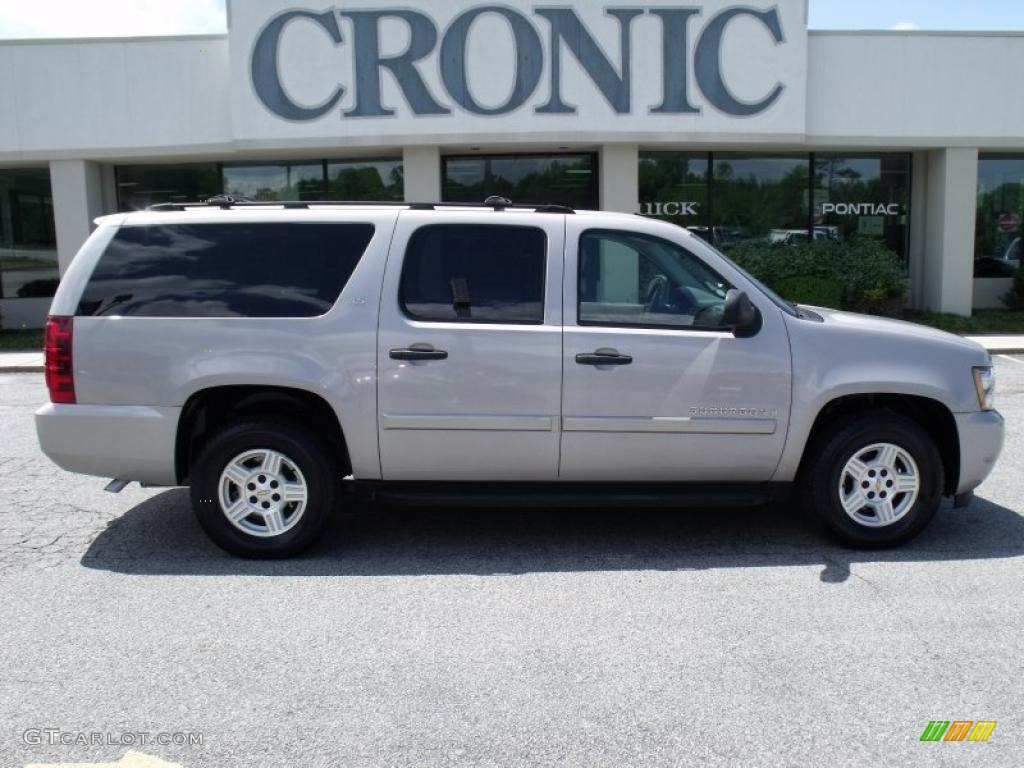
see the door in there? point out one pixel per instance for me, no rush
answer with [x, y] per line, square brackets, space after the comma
[469, 351]
[654, 388]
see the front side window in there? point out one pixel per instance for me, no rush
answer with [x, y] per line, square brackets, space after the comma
[373, 180]
[674, 186]
[28, 242]
[140, 186]
[999, 239]
[557, 179]
[364, 179]
[468, 273]
[759, 200]
[225, 270]
[733, 199]
[628, 279]
[279, 181]
[863, 197]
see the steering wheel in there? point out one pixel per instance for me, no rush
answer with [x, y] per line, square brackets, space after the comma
[657, 293]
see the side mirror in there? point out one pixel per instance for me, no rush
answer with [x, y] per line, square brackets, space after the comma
[739, 312]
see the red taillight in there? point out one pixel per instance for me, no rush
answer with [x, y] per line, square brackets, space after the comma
[60, 373]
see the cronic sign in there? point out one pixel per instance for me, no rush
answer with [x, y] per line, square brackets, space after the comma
[694, 72]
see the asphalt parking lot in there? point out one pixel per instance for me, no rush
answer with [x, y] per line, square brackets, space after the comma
[503, 638]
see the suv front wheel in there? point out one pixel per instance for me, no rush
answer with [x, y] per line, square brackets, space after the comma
[263, 489]
[876, 480]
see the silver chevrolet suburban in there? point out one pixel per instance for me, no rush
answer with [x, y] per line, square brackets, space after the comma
[280, 358]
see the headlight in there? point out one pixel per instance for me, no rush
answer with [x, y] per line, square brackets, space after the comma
[985, 383]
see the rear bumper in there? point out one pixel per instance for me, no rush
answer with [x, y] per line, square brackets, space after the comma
[130, 442]
[981, 440]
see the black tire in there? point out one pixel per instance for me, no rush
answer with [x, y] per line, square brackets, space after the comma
[303, 449]
[845, 438]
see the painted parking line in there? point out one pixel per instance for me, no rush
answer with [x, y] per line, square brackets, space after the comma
[131, 759]
[1012, 359]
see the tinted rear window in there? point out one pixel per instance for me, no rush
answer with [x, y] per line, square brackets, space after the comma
[292, 269]
[475, 273]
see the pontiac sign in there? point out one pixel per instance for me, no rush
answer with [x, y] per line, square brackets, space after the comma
[647, 66]
[862, 209]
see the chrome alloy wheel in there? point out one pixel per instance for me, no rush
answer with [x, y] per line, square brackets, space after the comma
[879, 485]
[262, 492]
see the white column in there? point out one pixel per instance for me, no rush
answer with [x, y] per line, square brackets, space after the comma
[77, 187]
[108, 177]
[949, 230]
[620, 178]
[918, 229]
[421, 167]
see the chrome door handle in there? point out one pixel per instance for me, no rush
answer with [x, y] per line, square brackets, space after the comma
[412, 353]
[603, 357]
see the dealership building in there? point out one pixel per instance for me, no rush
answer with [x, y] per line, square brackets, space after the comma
[730, 119]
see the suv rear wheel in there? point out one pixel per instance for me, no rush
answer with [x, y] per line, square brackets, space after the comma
[876, 480]
[263, 489]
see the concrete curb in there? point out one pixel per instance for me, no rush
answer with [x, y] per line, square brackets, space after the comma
[999, 343]
[21, 361]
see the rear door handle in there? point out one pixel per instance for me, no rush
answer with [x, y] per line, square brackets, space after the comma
[411, 353]
[603, 357]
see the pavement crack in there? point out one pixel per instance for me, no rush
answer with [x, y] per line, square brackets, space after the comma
[891, 611]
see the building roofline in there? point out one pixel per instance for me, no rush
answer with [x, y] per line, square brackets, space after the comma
[913, 33]
[132, 39]
[225, 35]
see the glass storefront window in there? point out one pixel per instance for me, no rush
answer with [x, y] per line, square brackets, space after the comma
[858, 196]
[999, 237]
[28, 243]
[674, 187]
[760, 199]
[558, 179]
[299, 181]
[735, 198]
[140, 186]
[380, 180]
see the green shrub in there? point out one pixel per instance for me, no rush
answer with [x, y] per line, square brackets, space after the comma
[1015, 298]
[39, 288]
[816, 291]
[861, 275]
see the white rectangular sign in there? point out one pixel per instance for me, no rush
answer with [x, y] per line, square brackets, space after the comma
[378, 71]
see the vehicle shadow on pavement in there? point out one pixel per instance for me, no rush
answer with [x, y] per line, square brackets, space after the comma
[161, 537]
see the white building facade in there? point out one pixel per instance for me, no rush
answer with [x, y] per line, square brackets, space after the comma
[731, 119]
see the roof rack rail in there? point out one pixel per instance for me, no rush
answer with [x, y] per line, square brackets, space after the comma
[226, 202]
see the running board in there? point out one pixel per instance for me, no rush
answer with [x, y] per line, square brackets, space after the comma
[468, 494]
[116, 486]
[963, 500]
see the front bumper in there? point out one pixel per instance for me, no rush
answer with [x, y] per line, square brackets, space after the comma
[128, 442]
[981, 440]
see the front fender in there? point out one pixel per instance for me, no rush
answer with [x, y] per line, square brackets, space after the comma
[832, 360]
